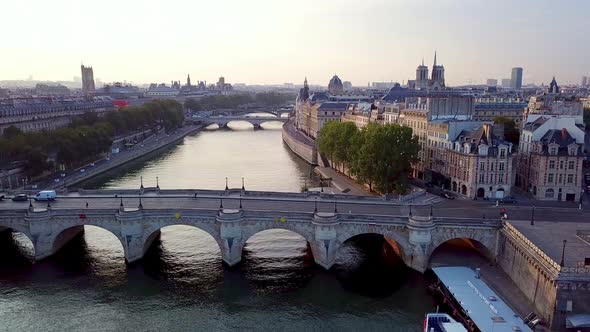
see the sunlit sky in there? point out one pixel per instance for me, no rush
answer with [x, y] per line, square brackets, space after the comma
[277, 41]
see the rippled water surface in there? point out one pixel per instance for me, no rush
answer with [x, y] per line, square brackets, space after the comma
[181, 285]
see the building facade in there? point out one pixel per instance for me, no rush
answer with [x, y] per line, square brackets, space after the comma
[487, 109]
[550, 158]
[516, 78]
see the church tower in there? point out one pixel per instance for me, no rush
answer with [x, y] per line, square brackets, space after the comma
[422, 76]
[188, 80]
[438, 75]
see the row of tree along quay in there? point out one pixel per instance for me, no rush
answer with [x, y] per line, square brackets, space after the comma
[379, 155]
[266, 99]
[86, 138]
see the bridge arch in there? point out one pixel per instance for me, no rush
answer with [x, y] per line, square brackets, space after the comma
[63, 235]
[19, 240]
[395, 239]
[153, 232]
[465, 246]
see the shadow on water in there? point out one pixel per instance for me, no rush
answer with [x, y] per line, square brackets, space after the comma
[16, 252]
[368, 265]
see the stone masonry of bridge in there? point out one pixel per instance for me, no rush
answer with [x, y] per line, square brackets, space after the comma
[553, 289]
[416, 237]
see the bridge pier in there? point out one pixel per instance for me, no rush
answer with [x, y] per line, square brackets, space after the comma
[324, 247]
[420, 239]
[230, 232]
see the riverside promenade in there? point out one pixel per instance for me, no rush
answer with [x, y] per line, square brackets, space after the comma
[151, 144]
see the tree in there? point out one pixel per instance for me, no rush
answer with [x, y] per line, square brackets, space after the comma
[511, 132]
[326, 141]
[11, 132]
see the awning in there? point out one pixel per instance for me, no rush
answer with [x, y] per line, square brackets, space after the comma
[577, 320]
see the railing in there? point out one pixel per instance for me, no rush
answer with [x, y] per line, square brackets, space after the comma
[540, 255]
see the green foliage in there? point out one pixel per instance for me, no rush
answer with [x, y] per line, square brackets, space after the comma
[511, 132]
[87, 137]
[270, 99]
[379, 155]
[11, 132]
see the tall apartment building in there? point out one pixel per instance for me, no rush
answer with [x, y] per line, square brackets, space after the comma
[550, 157]
[516, 78]
[481, 163]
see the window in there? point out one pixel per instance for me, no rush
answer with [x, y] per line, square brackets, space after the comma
[560, 178]
[502, 153]
[561, 164]
[501, 166]
[549, 193]
[570, 178]
[570, 164]
[501, 178]
[550, 178]
[491, 166]
[481, 178]
[553, 151]
[482, 166]
[552, 164]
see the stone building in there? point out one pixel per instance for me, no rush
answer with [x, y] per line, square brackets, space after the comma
[361, 114]
[550, 157]
[487, 109]
[481, 163]
[87, 80]
[335, 86]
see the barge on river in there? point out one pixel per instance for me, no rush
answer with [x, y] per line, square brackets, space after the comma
[473, 303]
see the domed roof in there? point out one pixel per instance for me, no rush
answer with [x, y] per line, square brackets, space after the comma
[335, 86]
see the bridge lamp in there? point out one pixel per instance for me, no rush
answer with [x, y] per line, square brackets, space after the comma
[562, 264]
[226, 187]
[140, 205]
[221, 204]
[335, 205]
[315, 210]
[533, 216]
[243, 187]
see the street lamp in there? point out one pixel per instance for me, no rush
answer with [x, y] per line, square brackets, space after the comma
[562, 264]
[157, 183]
[243, 187]
[226, 187]
[335, 205]
[533, 216]
[141, 182]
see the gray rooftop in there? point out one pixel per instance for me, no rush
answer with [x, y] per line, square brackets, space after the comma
[549, 236]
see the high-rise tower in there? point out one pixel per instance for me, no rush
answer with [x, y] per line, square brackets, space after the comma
[516, 78]
[87, 80]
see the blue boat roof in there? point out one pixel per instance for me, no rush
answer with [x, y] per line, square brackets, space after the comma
[483, 306]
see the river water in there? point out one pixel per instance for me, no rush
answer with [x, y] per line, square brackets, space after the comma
[181, 285]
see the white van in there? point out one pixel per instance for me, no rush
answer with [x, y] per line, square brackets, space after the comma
[45, 195]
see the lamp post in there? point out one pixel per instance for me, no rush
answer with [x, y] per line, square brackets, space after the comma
[141, 182]
[226, 187]
[243, 186]
[157, 183]
[221, 204]
[335, 205]
[533, 216]
[315, 202]
[562, 264]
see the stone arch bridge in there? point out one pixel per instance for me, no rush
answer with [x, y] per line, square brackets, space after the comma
[256, 121]
[414, 238]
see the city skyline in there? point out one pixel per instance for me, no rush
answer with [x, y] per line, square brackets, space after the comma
[271, 43]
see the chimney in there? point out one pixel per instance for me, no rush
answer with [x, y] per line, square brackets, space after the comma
[563, 134]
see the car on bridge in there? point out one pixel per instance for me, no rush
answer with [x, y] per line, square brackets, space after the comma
[20, 198]
[508, 200]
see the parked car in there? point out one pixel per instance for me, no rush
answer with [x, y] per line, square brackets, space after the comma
[82, 170]
[20, 198]
[1, 197]
[46, 195]
[508, 200]
[447, 196]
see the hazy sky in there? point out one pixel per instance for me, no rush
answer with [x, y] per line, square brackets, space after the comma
[276, 41]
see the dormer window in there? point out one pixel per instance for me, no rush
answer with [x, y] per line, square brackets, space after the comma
[573, 150]
[553, 151]
[502, 153]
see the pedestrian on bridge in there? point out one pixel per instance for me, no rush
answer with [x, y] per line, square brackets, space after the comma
[86, 204]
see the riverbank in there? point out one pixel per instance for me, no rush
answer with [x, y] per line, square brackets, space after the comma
[152, 144]
[300, 144]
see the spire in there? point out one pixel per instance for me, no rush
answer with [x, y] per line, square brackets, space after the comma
[434, 59]
[422, 61]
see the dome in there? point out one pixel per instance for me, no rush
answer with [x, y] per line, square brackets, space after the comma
[335, 86]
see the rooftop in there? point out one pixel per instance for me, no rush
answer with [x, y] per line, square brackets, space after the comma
[549, 236]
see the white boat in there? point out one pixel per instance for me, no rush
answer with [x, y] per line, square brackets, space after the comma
[438, 322]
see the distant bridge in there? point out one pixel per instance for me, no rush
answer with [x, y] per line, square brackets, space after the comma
[256, 121]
